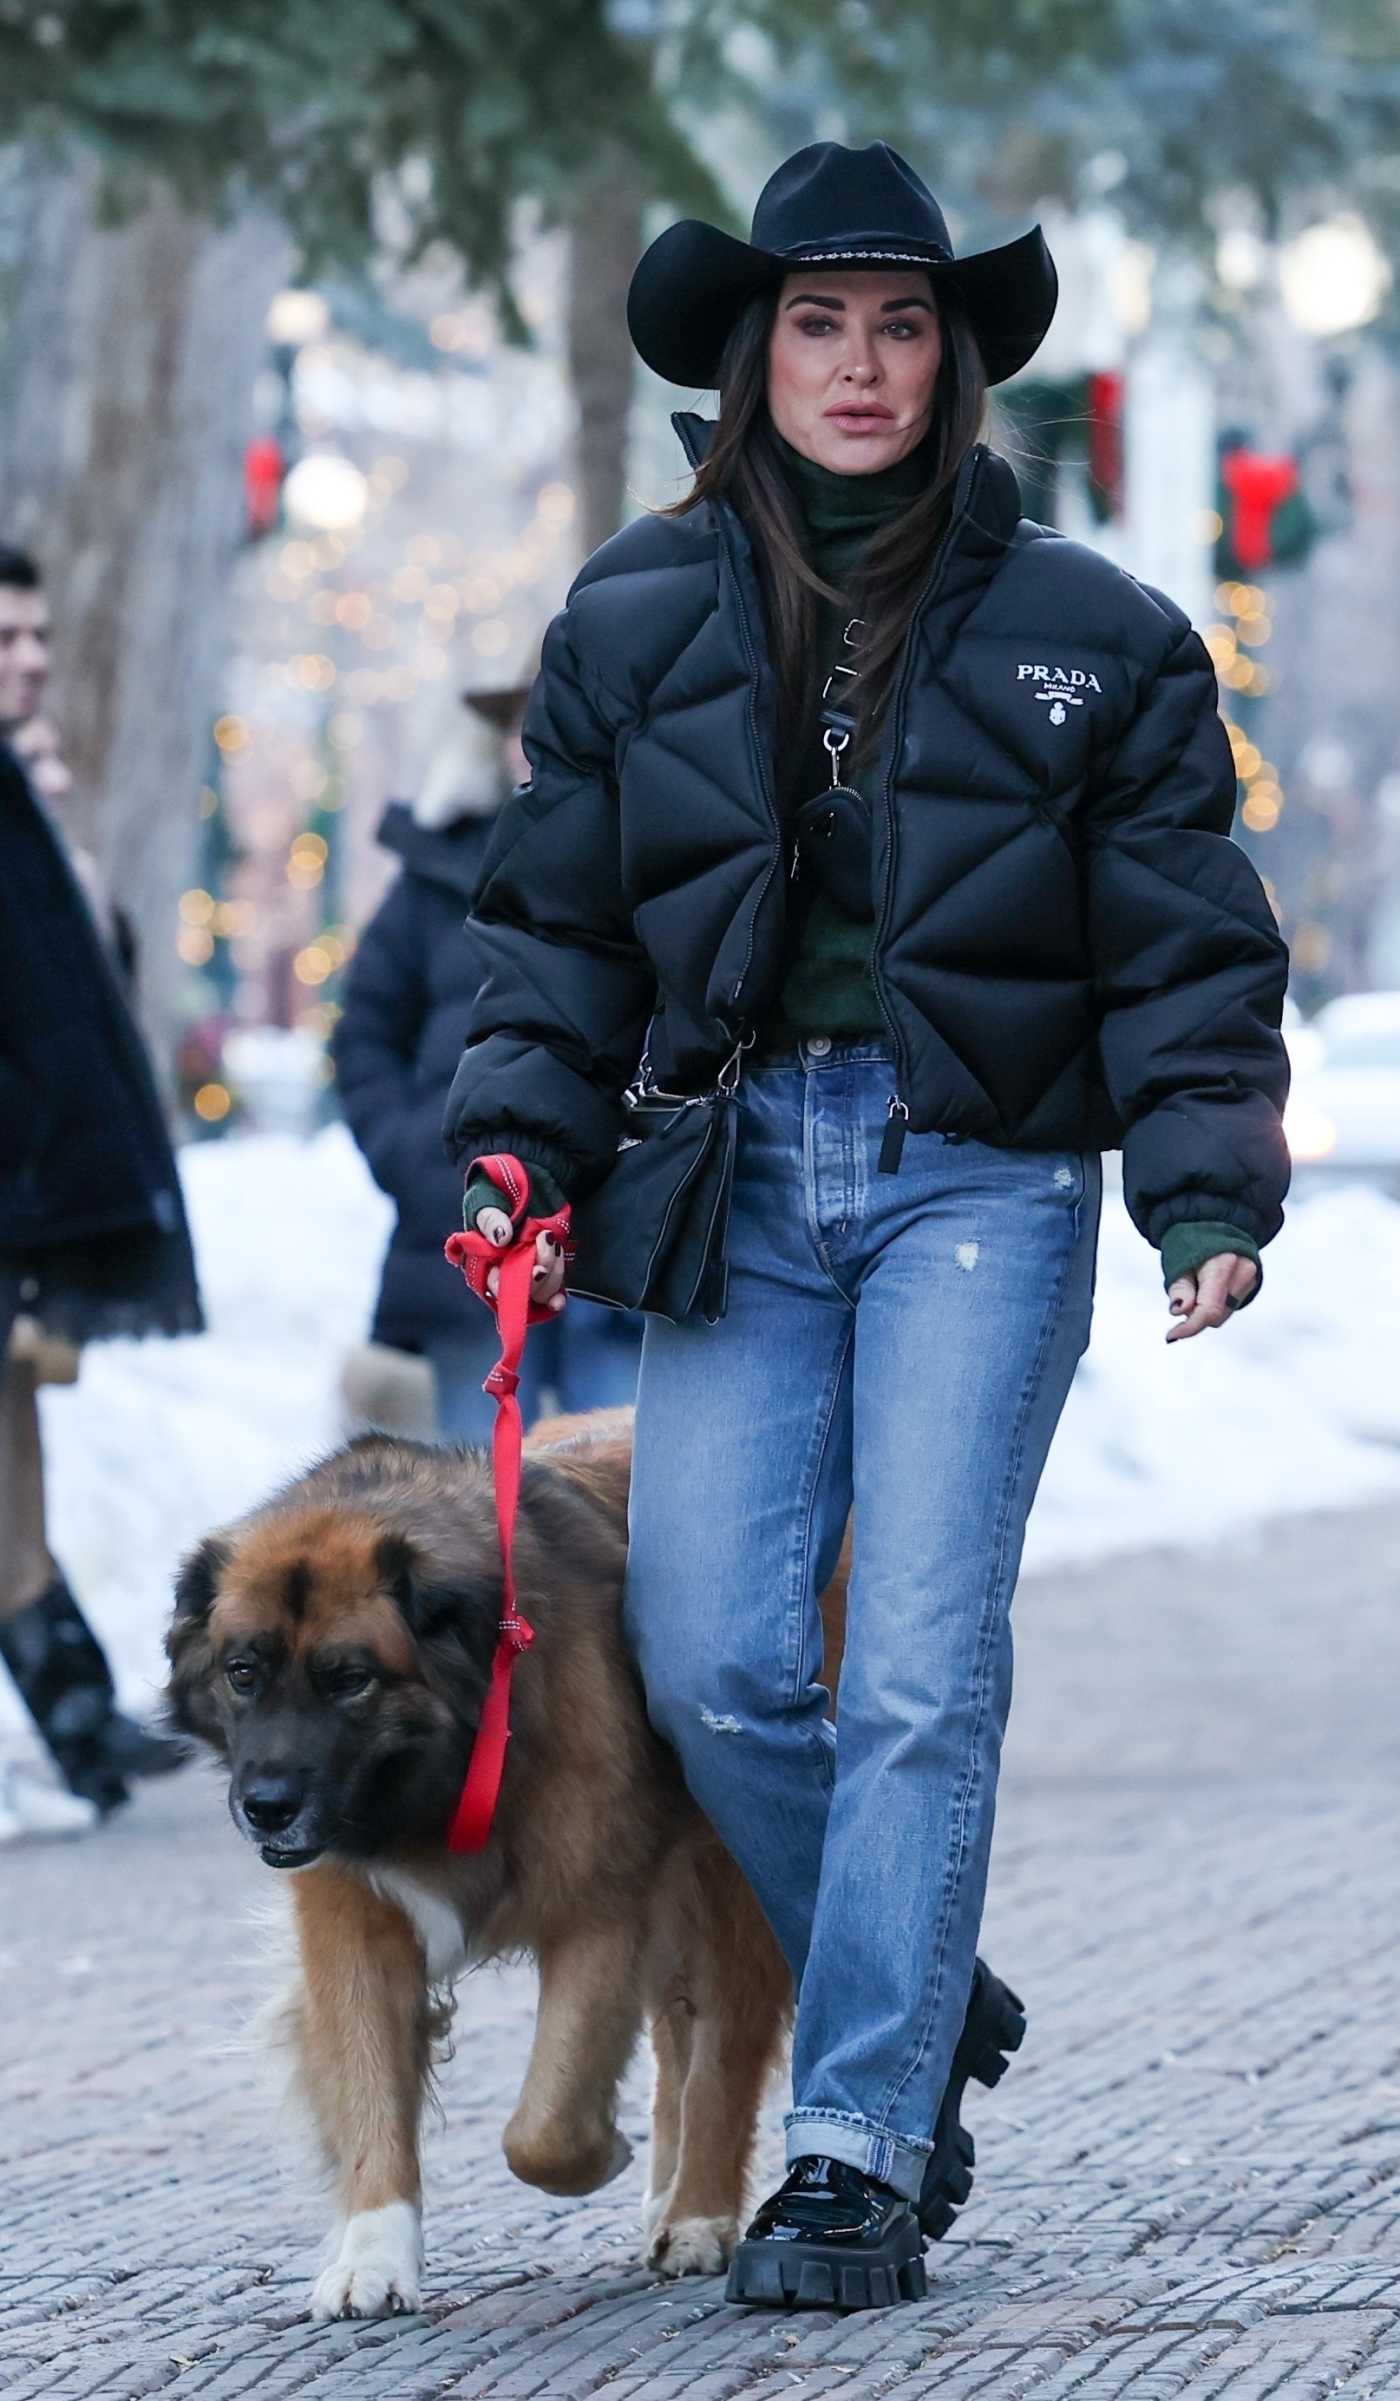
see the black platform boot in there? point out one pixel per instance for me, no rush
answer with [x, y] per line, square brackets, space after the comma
[63, 1679]
[994, 2027]
[830, 2237]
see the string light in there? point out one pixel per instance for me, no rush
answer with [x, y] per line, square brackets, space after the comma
[313, 964]
[308, 778]
[212, 1102]
[313, 671]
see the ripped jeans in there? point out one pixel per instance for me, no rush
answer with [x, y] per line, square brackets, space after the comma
[902, 1343]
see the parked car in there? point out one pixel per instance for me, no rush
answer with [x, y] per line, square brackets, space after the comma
[1343, 1113]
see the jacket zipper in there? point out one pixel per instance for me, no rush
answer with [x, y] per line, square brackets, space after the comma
[897, 1123]
[760, 767]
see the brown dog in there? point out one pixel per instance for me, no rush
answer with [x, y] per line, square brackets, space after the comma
[333, 1648]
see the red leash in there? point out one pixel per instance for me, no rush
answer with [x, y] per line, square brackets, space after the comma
[515, 1311]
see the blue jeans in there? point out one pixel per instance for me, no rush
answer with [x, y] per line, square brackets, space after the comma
[588, 1354]
[901, 1343]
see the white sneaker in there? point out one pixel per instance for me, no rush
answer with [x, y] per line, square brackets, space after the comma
[29, 1808]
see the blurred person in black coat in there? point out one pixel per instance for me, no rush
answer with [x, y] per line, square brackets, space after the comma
[396, 1049]
[93, 1240]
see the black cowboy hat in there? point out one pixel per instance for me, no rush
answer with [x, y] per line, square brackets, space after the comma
[840, 208]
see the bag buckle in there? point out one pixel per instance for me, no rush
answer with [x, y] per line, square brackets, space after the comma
[728, 1077]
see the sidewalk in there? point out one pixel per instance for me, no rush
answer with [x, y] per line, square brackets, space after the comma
[1189, 2184]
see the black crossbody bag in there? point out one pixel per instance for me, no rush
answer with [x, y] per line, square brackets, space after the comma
[653, 1235]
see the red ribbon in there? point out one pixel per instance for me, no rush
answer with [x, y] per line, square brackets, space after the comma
[515, 1311]
[1257, 486]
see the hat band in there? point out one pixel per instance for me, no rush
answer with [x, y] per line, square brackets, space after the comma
[819, 255]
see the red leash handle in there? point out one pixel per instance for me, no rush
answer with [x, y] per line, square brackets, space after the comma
[515, 1312]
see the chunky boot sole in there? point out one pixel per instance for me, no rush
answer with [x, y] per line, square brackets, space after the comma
[817, 2275]
[994, 2027]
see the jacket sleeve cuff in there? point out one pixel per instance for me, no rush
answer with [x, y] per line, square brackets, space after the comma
[546, 1194]
[1188, 1244]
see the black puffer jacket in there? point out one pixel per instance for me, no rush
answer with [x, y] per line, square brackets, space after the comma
[395, 1047]
[1069, 949]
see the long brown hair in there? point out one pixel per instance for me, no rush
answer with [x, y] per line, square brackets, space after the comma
[744, 466]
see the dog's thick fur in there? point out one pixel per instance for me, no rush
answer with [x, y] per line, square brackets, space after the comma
[358, 1608]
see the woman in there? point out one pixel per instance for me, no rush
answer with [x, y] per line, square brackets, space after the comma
[394, 1049]
[1050, 947]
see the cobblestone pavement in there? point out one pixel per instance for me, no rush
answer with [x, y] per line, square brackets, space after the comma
[1187, 2185]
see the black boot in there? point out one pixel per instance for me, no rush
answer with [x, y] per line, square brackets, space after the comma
[995, 2025]
[65, 1683]
[830, 2237]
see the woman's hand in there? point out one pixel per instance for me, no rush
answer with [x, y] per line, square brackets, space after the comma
[1204, 1299]
[547, 1281]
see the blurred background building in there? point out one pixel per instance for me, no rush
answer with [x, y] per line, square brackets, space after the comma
[299, 466]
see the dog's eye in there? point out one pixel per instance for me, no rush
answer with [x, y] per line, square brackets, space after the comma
[241, 1674]
[351, 1682]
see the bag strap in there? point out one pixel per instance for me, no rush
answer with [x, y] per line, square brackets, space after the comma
[516, 1311]
[839, 723]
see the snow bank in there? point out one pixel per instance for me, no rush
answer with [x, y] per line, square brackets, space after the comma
[1296, 1406]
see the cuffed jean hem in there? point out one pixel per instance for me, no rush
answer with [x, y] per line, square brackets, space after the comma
[872, 2149]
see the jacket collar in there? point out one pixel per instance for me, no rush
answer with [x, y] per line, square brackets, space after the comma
[984, 478]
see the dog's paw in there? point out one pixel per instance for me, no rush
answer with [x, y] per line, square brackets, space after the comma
[563, 2159]
[692, 2246]
[653, 2211]
[377, 2269]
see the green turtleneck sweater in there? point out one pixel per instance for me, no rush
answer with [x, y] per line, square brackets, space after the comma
[826, 981]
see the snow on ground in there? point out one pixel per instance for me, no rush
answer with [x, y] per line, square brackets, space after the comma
[1295, 1406]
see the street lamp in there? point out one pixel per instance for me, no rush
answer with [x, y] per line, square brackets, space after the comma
[1333, 277]
[325, 492]
[297, 316]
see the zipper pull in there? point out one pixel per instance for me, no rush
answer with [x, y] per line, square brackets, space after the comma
[895, 1131]
[796, 864]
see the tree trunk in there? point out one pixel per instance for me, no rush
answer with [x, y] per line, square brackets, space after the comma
[605, 241]
[131, 361]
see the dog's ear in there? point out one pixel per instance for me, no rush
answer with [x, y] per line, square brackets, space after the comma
[453, 1617]
[431, 1603]
[198, 1580]
[189, 1691]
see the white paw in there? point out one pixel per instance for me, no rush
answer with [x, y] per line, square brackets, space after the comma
[377, 2269]
[693, 2246]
